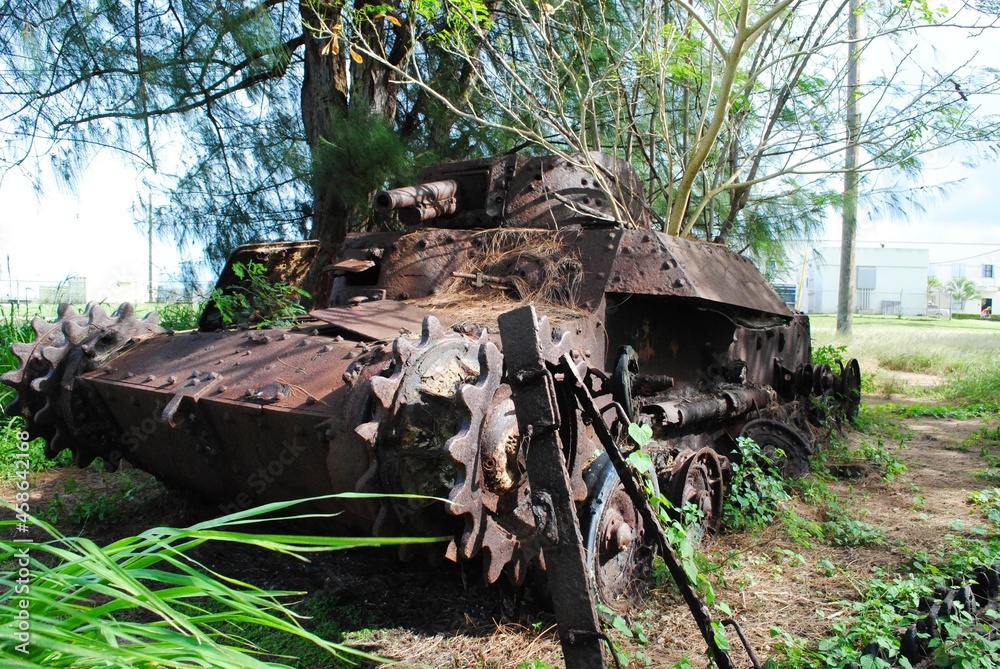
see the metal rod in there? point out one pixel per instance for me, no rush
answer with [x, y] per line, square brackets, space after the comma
[642, 505]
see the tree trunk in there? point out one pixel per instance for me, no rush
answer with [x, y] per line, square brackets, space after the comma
[332, 82]
[324, 91]
[845, 299]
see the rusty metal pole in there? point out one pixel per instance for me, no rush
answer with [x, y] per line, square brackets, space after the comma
[645, 510]
[533, 390]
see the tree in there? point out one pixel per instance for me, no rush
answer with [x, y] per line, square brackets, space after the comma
[962, 290]
[845, 289]
[723, 107]
[284, 116]
[278, 130]
[934, 289]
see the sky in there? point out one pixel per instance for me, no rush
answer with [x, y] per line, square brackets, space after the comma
[50, 236]
[963, 221]
[45, 238]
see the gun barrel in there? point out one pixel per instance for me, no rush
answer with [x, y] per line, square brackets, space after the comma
[421, 196]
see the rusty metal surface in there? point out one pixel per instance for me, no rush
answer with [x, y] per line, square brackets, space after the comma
[536, 405]
[235, 415]
[513, 191]
[652, 263]
[553, 192]
[378, 320]
[286, 262]
[405, 385]
[353, 265]
[716, 408]
[422, 202]
[642, 505]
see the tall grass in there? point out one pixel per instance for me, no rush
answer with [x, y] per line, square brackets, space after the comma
[961, 353]
[144, 601]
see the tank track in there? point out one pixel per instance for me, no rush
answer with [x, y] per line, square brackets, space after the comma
[976, 594]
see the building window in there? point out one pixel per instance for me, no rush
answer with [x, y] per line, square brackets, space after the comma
[958, 270]
[987, 271]
[863, 303]
[865, 278]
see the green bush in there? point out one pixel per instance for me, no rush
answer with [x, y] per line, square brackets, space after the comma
[974, 317]
[755, 492]
[255, 299]
[179, 316]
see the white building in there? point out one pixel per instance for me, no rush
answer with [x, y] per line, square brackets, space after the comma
[887, 281]
[981, 269]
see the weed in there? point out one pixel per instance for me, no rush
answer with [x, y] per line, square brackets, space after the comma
[93, 505]
[975, 410]
[880, 420]
[156, 606]
[851, 532]
[755, 492]
[989, 474]
[179, 316]
[801, 530]
[977, 383]
[877, 453]
[966, 643]
[255, 299]
[826, 567]
[987, 502]
[829, 354]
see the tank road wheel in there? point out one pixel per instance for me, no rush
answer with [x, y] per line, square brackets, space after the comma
[619, 551]
[849, 392]
[786, 448]
[696, 479]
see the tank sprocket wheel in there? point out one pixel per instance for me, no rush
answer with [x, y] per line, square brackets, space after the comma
[436, 395]
[697, 479]
[73, 344]
[475, 430]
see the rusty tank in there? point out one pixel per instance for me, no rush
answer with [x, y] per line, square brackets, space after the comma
[402, 379]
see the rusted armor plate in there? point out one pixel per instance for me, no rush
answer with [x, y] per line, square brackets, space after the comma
[658, 264]
[378, 320]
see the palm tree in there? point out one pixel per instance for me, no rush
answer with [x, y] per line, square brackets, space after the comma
[962, 290]
[934, 289]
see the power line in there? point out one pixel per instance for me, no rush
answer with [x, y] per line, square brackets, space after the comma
[934, 242]
[978, 255]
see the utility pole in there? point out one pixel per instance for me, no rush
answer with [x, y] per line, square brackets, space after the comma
[845, 296]
[149, 239]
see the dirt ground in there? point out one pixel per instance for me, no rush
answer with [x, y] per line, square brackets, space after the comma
[443, 616]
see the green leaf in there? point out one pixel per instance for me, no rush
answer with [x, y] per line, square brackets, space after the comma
[640, 434]
[640, 461]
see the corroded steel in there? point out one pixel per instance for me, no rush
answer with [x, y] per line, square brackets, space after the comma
[533, 387]
[398, 381]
